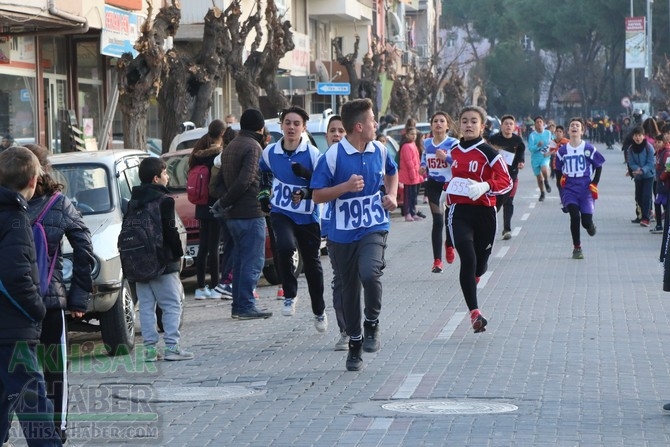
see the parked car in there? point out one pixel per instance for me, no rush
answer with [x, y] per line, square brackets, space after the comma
[396, 131]
[177, 168]
[99, 184]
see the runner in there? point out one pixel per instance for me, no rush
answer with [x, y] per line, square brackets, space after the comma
[576, 161]
[479, 174]
[436, 161]
[512, 149]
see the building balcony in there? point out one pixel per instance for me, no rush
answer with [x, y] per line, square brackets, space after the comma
[341, 10]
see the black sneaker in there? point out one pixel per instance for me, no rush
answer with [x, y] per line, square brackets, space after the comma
[591, 230]
[420, 214]
[541, 199]
[354, 358]
[656, 230]
[370, 336]
[253, 314]
[637, 220]
[546, 186]
[479, 324]
[666, 408]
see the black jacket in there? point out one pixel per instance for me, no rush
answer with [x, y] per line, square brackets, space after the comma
[172, 249]
[239, 173]
[64, 220]
[21, 305]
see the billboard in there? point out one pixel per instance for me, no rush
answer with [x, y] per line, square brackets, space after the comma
[636, 42]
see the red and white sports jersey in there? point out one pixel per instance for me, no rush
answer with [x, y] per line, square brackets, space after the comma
[482, 163]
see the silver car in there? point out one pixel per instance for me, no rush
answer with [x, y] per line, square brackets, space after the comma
[99, 184]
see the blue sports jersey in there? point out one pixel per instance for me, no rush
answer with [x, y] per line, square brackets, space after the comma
[274, 159]
[355, 214]
[438, 170]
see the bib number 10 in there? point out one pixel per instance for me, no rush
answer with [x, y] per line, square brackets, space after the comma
[360, 212]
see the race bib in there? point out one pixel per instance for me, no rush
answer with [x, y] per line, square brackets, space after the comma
[458, 187]
[438, 167]
[507, 156]
[282, 198]
[359, 212]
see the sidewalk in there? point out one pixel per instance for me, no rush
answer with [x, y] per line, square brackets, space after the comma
[574, 354]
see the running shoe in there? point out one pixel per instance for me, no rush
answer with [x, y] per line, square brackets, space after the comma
[644, 222]
[507, 236]
[478, 321]
[577, 253]
[437, 266]
[541, 199]
[591, 230]
[450, 255]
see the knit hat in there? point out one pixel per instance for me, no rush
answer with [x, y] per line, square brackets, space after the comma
[252, 119]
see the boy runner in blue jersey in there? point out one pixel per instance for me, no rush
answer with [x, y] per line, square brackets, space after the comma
[294, 216]
[361, 180]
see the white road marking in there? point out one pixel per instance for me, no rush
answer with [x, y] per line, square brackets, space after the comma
[408, 386]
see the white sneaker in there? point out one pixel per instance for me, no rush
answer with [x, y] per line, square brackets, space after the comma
[321, 322]
[213, 294]
[202, 294]
[289, 307]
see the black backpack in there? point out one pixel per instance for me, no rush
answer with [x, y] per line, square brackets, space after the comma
[141, 242]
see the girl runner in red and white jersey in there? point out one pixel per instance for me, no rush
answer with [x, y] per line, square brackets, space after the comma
[479, 174]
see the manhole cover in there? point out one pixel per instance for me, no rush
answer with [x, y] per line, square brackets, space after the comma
[449, 407]
[190, 394]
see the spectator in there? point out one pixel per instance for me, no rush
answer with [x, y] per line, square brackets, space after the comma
[62, 220]
[244, 217]
[204, 152]
[22, 388]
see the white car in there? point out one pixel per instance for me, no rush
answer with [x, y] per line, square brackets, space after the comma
[99, 184]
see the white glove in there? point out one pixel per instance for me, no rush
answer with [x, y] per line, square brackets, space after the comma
[443, 200]
[477, 189]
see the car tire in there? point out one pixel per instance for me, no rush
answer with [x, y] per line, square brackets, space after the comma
[117, 325]
[272, 276]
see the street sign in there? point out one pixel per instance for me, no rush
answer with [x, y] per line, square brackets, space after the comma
[333, 88]
[625, 101]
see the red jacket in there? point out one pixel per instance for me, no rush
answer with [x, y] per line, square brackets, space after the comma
[408, 173]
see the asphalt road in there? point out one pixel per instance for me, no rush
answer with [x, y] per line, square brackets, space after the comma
[575, 354]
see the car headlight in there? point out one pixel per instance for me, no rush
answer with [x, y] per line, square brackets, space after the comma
[68, 268]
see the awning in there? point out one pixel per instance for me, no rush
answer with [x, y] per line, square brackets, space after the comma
[38, 17]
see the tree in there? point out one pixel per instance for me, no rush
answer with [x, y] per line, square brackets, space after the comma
[349, 62]
[140, 78]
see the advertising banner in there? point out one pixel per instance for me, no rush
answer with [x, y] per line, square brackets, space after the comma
[636, 42]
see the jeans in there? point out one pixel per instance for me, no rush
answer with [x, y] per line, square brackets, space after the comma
[22, 392]
[165, 291]
[248, 260]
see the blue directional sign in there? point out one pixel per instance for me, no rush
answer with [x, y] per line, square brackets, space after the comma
[333, 88]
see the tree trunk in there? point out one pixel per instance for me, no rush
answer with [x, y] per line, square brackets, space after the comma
[349, 64]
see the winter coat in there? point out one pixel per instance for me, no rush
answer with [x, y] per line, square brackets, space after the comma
[240, 176]
[642, 157]
[64, 220]
[409, 165]
[172, 249]
[21, 305]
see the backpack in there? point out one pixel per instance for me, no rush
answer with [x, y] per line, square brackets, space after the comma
[44, 265]
[197, 185]
[140, 242]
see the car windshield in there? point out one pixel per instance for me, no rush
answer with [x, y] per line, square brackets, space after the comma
[177, 169]
[86, 185]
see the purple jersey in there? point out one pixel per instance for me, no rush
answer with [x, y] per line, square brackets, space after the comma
[577, 164]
